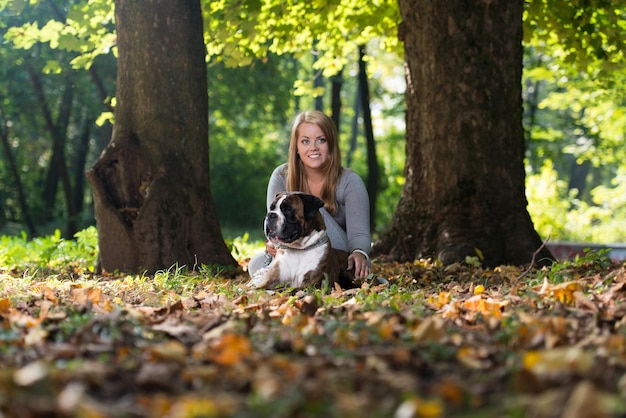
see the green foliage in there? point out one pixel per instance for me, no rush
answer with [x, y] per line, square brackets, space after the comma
[35, 86]
[575, 134]
[50, 252]
[574, 83]
[587, 36]
[557, 214]
[241, 246]
[238, 32]
[392, 157]
[248, 136]
[87, 31]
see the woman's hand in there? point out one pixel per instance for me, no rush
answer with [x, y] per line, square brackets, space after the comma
[269, 247]
[358, 263]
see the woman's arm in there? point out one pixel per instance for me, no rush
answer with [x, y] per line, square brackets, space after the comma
[357, 213]
[357, 223]
[276, 184]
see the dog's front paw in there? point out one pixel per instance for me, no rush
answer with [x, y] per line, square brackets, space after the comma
[259, 278]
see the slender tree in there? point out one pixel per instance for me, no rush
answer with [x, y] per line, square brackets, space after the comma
[58, 169]
[464, 191]
[17, 180]
[373, 170]
[152, 197]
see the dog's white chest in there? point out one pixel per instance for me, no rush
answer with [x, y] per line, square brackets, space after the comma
[295, 264]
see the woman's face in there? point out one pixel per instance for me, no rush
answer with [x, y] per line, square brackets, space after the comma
[312, 145]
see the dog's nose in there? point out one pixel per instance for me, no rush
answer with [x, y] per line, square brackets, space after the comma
[272, 215]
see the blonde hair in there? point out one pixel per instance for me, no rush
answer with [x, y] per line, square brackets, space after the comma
[296, 177]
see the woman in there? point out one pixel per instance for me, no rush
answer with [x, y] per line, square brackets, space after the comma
[314, 167]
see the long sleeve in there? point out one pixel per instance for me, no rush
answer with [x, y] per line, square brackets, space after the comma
[352, 194]
[276, 184]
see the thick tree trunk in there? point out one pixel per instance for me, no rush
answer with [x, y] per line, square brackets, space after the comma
[464, 193]
[152, 198]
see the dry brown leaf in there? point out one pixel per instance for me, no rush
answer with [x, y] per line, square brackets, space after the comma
[171, 350]
[432, 329]
[585, 402]
[175, 327]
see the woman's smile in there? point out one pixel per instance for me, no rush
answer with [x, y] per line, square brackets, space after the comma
[312, 145]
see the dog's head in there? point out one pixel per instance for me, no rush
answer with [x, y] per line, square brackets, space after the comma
[292, 216]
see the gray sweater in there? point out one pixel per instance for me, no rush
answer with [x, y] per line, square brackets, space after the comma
[349, 228]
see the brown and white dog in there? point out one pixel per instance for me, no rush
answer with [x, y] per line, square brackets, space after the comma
[295, 226]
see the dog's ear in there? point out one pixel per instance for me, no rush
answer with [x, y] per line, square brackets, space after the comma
[311, 205]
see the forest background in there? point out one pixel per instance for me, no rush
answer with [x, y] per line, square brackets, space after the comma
[417, 338]
[57, 80]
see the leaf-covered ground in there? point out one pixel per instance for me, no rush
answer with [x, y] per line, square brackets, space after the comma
[419, 340]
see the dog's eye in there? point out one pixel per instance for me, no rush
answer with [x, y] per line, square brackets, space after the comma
[286, 209]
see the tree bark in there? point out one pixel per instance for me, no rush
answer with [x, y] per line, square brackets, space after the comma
[354, 127]
[373, 170]
[17, 180]
[335, 98]
[464, 193]
[58, 169]
[152, 198]
[80, 160]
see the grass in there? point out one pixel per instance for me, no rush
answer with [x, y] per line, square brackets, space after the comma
[426, 341]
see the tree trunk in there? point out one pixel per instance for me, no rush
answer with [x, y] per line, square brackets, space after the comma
[152, 198]
[79, 163]
[354, 129]
[464, 193]
[58, 166]
[17, 180]
[335, 98]
[578, 173]
[373, 171]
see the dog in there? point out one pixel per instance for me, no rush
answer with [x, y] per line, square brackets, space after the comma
[304, 256]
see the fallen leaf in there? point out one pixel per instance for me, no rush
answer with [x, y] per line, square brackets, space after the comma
[30, 373]
[230, 349]
[558, 362]
[167, 351]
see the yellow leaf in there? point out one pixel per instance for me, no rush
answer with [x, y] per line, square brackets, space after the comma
[230, 349]
[192, 406]
[387, 328]
[530, 359]
[486, 307]
[562, 292]
[480, 289]
[442, 299]
[420, 408]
